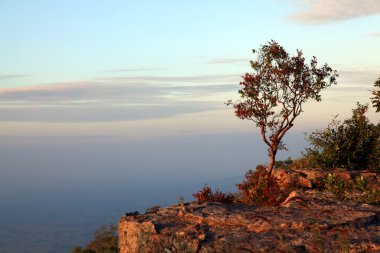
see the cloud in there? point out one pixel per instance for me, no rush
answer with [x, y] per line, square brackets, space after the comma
[135, 70]
[373, 34]
[79, 91]
[121, 99]
[103, 91]
[146, 97]
[6, 77]
[202, 89]
[229, 61]
[327, 11]
[142, 97]
[200, 79]
[357, 77]
[353, 85]
[99, 113]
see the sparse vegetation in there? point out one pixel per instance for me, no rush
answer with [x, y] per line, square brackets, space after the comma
[336, 185]
[105, 241]
[256, 189]
[339, 183]
[370, 191]
[207, 195]
[153, 209]
[259, 190]
[361, 183]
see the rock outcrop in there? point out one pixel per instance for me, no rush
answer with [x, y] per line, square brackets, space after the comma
[308, 221]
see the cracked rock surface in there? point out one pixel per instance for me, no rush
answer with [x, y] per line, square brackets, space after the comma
[308, 221]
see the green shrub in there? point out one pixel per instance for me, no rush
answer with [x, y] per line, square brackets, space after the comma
[105, 241]
[361, 183]
[78, 249]
[376, 95]
[353, 144]
[345, 189]
[337, 186]
[371, 196]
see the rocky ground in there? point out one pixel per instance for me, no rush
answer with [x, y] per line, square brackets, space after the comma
[309, 220]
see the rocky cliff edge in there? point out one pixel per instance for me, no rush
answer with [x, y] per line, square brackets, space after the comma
[307, 221]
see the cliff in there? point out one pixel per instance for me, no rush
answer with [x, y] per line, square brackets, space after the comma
[307, 221]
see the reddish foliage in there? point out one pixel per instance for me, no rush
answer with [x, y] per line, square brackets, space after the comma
[261, 189]
[206, 195]
[272, 96]
[258, 188]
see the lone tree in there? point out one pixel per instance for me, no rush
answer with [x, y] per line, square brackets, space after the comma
[273, 95]
[376, 95]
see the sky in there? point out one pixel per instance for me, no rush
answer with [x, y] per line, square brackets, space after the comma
[95, 67]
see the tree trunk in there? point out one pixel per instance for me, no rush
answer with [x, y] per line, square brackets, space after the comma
[272, 159]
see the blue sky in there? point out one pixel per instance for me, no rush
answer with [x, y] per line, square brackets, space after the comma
[67, 63]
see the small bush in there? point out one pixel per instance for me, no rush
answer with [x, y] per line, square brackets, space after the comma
[290, 163]
[353, 144]
[153, 209]
[283, 164]
[78, 249]
[258, 188]
[261, 189]
[371, 197]
[105, 241]
[359, 190]
[361, 183]
[370, 191]
[207, 195]
[337, 186]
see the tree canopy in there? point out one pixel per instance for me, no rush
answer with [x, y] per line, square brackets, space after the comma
[376, 95]
[272, 96]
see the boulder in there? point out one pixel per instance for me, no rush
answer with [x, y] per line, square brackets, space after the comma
[290, 178]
